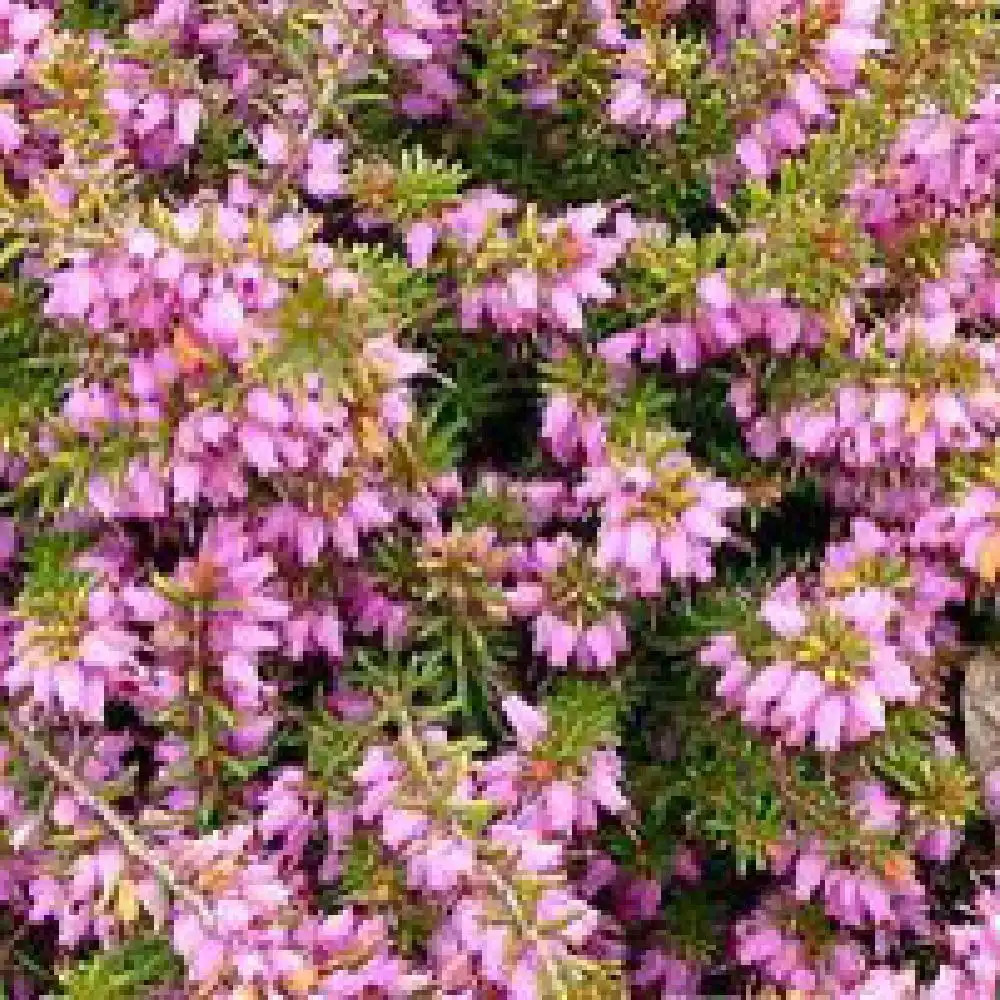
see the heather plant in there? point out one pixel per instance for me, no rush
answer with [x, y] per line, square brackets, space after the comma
[498, 498]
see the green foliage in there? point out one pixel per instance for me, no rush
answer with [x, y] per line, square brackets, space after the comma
[942, 50]
[729, 790]
[692, 772]
[92, 15]
[940, 787]
[816, 253]
[452, 587]
[223, 144]
[324, 333]
[684, 69]
[368, 879]
[396, 292]
[37, 363]
[661, 272]
[583, 715]
[428, 448]
[639, 415]
[52, 584]
[334, 750]
[699, 407]
[124, 973]
[62, 481]
[571, 158]
[484, 386]
[693, 921]
[418, 188]
[499, 511]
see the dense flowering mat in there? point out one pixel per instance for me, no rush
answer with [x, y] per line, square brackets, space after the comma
[498, 499]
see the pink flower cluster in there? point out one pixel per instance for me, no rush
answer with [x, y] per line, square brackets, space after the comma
[824, 659]
[352, 453]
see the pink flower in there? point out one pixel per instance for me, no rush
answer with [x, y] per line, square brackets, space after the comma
[529, 723]
[406, 45]
[324, 173]
[420, 239]
[188, 116]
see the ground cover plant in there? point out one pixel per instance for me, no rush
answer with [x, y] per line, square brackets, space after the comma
[501, 499]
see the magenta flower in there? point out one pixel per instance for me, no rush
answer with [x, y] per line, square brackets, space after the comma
[829, 668]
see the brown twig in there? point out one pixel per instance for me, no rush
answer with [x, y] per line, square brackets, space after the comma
[129, 839]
